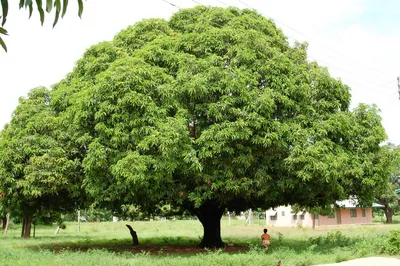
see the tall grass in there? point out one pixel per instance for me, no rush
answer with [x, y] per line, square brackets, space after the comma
[110, 244]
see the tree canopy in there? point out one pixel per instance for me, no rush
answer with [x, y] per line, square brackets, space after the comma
[388, 195]
[36, 176]
[59, 7]
[214, 110]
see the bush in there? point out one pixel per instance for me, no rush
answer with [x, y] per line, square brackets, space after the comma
[364, 247]
[392, 243]
[337, 239]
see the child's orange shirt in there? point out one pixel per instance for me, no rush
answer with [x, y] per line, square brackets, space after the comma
[265, 237]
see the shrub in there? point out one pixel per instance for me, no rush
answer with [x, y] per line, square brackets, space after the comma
[392, 243]
[363, 247]
[337, 239]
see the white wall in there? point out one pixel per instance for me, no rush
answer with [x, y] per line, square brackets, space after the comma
[285, 217]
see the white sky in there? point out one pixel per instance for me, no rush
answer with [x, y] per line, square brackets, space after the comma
[358, 40]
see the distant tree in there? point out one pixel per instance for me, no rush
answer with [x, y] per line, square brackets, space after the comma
[3, 212]
[59, 6]
[36, 177]
[214, 110]
[388, 196]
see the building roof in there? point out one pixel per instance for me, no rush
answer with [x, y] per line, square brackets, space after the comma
[353, 203]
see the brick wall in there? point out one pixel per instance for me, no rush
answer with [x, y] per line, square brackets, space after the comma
[346, 217]
[285, 217]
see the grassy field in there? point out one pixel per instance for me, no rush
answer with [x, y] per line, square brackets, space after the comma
[174, 243]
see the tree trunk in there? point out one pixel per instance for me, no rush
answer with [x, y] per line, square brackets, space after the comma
[26, 226]
[210, 215]
[23, 227]
[7, 223]
[4, 222]
[313, 221]
[388, 215]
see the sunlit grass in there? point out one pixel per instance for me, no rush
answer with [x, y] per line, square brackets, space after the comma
[109, 243]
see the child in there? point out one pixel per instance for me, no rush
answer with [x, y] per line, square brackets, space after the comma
[265, 239]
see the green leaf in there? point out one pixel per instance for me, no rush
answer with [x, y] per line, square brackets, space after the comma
[27, 3]
[3, 44]
[30, 9]
[57, 5]
[56, 18]
[80, 11]
[41, 11]
[3, 31]
[49, 5]
[4, 7]
[64, 8]
[21, 3]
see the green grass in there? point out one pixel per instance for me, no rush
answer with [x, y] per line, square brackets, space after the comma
[382, 219]
[110, 244]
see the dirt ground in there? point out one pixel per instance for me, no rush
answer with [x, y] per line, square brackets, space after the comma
[193, 249]
[155, 249]
[372, 261]
[183, 249]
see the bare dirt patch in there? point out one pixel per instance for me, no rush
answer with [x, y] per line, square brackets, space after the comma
[153, 249]
[185, 249]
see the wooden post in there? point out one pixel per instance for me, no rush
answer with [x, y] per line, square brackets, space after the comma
[398, 85]
[250, 216]
[79, 220]
[135, 239]
[266, 216]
